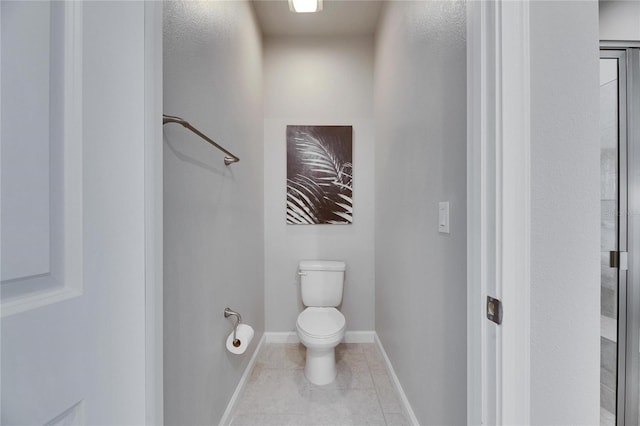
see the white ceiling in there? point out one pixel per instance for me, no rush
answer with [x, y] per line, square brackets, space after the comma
[338, 17]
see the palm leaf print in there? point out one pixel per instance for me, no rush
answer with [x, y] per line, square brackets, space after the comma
[319, 175]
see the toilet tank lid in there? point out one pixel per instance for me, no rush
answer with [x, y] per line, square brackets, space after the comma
[322, 265]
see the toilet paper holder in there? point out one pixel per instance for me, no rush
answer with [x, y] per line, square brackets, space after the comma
[228, 312]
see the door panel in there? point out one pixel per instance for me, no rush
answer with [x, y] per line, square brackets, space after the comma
[25, 166]
[81, 359]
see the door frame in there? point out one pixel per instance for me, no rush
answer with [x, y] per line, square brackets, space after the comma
[497, 34]
[622, 242]
[498, 210]
[632, 415]
[628, 371]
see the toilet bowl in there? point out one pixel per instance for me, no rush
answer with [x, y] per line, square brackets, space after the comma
[320, 330]
[321, 326]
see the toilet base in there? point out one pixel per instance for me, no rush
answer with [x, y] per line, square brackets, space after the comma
[320, 366]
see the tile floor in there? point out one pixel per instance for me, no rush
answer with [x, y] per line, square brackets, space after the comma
[279, 394]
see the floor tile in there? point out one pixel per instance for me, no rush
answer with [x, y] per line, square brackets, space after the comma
[269, 420]
[396, 419]
[353, 374]
[348, 347]
[278, 393]
[286, 355]
[345, 407]
[374, 357]
[275, 391]
[389, 400]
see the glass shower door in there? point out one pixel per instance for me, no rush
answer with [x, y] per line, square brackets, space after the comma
[620, 235]
[610, 243]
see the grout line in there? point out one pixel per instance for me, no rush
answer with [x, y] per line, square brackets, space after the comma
[403, 397]
[379, 358]
[375, 388]
[229, 412]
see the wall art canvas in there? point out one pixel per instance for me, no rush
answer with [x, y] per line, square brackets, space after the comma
[319, 175]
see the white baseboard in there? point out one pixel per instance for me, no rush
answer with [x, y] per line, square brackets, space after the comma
[403, 397]
[292, 337]
[226, 417]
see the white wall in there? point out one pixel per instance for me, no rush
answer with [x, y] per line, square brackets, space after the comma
[619, 20]
[565, 215]
[318, 81]
[420, 113]
[213, 214]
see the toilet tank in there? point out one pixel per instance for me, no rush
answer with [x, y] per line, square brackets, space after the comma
[321, 282]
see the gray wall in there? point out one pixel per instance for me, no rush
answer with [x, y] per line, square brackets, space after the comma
[322, 81]
[619, 20]
[420, 112]
[565, 213]
[213, 215]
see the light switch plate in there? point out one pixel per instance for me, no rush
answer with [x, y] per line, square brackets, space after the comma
[443, 217]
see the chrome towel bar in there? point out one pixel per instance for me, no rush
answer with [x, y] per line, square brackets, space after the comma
[173, 119]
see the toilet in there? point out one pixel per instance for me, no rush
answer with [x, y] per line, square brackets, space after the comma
[321, 326]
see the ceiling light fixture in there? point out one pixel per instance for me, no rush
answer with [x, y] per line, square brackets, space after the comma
[305, 6]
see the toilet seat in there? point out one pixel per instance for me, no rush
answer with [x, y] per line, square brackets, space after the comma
[321, 323]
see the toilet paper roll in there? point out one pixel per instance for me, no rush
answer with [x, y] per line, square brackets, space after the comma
[244, 334]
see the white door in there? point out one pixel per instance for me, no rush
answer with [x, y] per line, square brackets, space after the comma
[72, 213]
